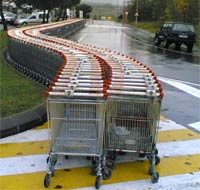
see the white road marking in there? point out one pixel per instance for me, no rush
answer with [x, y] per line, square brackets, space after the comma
[26, 136]
[188, 89]
[195, 125]
[189, 181]
[178, 148]
[185, 82]
[169, 125]
[82, 37]
[37, 163]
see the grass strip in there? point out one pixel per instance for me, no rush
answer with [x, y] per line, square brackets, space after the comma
[17, 92]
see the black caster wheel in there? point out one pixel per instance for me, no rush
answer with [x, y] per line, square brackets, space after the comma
[156, 151]
[110, 163]
[157, 160]
[98, 182]
[52, 162]
[47, 159]
[106, 173]
[155, 177]
[94, 171]
[151, 172]
[47, 180]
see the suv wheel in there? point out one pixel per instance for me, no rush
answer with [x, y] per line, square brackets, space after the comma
[178, 46]
[165, 43]
[190, 46]
[157, 41]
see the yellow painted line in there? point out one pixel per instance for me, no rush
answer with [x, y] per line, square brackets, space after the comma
[163, 118]
[44, 126]
[23, 148]
[80, 177]
[177, 135]
[41, 147]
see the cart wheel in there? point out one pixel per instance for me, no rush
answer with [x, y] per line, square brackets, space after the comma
[47, 180]
[47, 159]
[98, 182]
[53, 163]
[156, 151]
[155, 177]
[106, 173]
[151, 171]
[157, 160]
[110, 163]
[94, 170]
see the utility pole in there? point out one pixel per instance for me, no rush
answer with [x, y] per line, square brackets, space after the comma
[116, 9]
[2, 16]
[124, 13]
[136, 14]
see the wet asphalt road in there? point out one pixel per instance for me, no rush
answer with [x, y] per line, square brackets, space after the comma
[183, 67]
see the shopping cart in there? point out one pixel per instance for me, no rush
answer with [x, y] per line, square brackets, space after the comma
[76, 113]
[132, 114]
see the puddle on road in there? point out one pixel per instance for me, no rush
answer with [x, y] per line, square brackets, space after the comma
[192, 57]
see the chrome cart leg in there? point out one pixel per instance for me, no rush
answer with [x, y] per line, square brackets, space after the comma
[99, 173]
[153, 160]
[51, 162]
[94, 168]
[107, 166]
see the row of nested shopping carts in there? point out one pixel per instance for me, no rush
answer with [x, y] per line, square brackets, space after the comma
[99, 104]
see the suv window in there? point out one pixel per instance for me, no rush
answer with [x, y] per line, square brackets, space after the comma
[167, 26]
[183, 27]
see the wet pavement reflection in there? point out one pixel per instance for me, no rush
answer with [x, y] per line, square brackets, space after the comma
[171, 64]
[130, 41]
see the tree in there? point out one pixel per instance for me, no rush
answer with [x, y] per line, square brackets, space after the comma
[64, 4]
[157, 10]
[192, 13]
[183, 10]
[2, 16]
[85, 8]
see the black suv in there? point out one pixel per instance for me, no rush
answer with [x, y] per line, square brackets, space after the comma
[176, 32]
